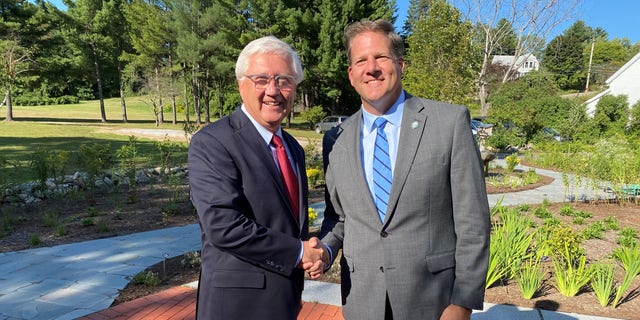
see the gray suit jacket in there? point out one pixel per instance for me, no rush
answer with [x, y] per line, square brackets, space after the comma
[433, 247]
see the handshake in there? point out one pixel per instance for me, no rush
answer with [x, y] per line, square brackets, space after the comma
[315, 258]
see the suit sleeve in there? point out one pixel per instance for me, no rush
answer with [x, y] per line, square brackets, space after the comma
[471, 217]
[218, 178]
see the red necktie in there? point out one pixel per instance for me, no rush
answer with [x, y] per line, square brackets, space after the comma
[290, 180]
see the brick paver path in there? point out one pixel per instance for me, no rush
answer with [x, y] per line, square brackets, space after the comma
[180, 303]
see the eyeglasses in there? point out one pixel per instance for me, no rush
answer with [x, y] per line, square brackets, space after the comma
[261, 82]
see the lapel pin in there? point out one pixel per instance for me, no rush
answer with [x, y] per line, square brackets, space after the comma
[414, 124]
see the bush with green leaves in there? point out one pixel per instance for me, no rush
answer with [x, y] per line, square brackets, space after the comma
[147, 278]
[627, 237]
[190, 259]
[595, 230]
[512, 161]
[542, 212]
[49, 164]
[313, 115]
[611, 114]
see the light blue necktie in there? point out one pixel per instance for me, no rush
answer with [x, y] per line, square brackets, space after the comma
[381, 169]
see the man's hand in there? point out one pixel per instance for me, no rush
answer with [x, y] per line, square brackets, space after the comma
[455, 312]
[315, 257]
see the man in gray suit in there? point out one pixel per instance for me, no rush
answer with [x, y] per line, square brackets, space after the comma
[421, 250]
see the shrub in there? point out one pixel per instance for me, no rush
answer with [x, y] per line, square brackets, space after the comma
[314, 175]
[147, 278]
[313, 215]
[313, 115]
[595, 230]
[51, 218]
[34, 239]
[191, 259]
[87, 222]
[542, 212]
[512, 161]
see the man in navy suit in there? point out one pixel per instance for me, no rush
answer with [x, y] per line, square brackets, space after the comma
[252, 214]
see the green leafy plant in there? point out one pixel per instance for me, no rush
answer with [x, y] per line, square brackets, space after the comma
[61, 230]
[166, 152]
[313, 115]
[314, 175]
[34, 239]
[313, 215]
[529, 278]
[147, 278]
[7, 220]
[611, 223]
[595, 230]
[103, 226]
[629, 257]
[51, 218]
[509, 245]
[87, 222]
[571, 273]
[602, 282]
[578, 220]
[542, 212]
[190, 259]
[512, 161]
[128, 155]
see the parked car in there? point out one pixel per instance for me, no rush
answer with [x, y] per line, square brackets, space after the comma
[553, 134]
[329, 122]
[481, 129]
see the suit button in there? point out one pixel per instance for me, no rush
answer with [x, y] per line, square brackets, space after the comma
[382, 269]
[384, 234]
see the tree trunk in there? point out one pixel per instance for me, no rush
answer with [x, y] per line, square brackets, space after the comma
[174, 107]
[160, 107]
[186, 102]
[123, 103]
[96, 65]
[9, 104]
[207, 108]
[196, 98]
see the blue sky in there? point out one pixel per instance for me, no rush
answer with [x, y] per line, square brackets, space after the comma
[617, 17]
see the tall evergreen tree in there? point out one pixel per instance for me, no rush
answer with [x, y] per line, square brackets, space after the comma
[417, 11]
[564, 56]
[97, 26]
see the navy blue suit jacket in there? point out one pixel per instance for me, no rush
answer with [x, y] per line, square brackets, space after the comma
[250, 238]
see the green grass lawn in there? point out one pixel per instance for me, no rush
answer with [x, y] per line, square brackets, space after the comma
[66, 127]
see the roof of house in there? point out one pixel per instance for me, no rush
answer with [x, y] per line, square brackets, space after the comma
[623, 68]
[508, 60]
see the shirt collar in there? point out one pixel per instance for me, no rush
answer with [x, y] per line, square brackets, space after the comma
[393, 115]
[264, 133]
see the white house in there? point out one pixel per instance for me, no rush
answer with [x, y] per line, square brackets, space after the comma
[625, 81]
[524, 64]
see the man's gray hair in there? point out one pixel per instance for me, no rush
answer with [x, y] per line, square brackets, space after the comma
[273, 45]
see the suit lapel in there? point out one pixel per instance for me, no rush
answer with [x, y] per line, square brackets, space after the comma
[414, 119]
[350, 140]
[261, 155]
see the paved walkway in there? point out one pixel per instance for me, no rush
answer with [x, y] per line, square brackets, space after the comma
[81, 280]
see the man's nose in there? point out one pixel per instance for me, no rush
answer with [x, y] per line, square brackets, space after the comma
[272, 87]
